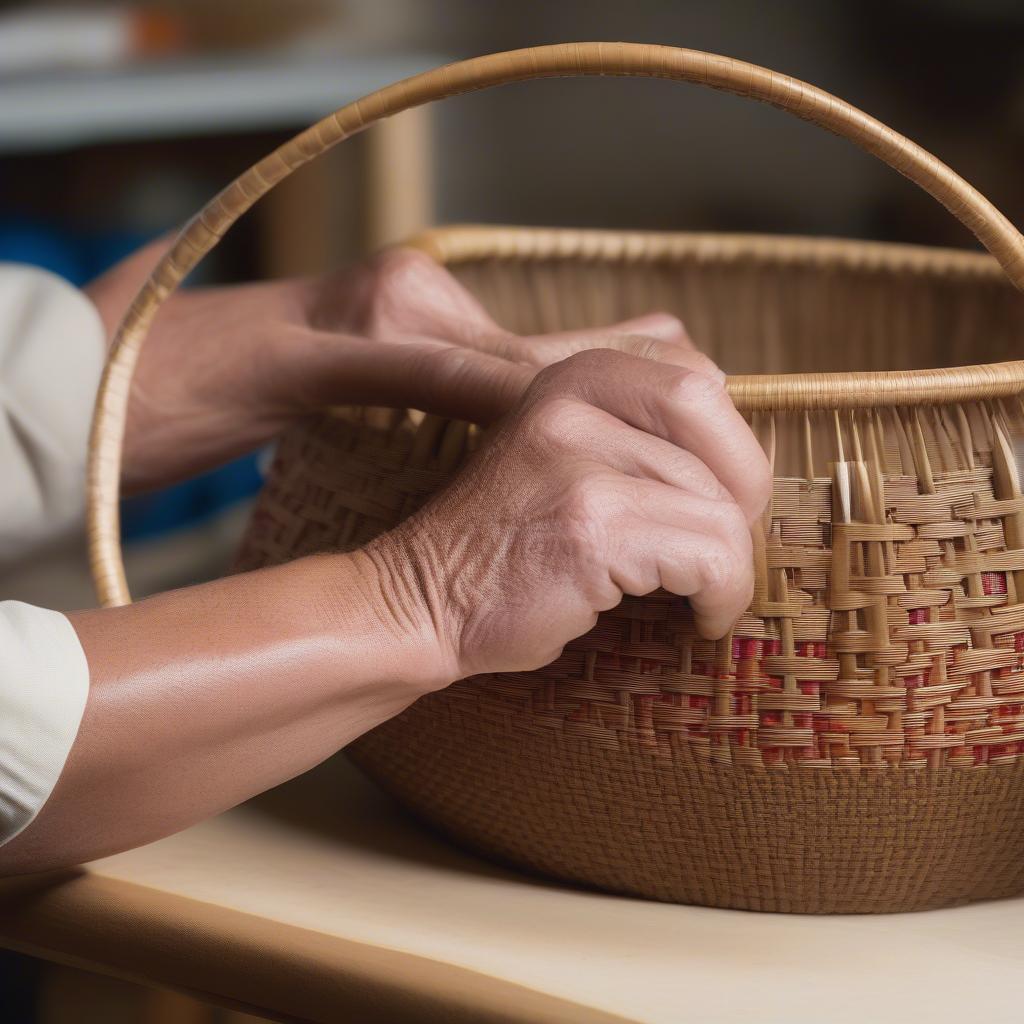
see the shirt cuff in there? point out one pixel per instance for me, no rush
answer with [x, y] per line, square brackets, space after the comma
[44, 684]
[52, 349]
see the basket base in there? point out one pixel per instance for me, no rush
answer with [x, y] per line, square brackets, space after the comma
[810, 841]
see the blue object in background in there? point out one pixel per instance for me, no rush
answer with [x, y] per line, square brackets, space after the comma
[191, 502]
[79, 258]
[41, 246]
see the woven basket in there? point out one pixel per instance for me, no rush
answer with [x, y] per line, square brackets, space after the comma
[857, 743]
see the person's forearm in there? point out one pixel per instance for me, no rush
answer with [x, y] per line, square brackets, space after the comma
[203, 697]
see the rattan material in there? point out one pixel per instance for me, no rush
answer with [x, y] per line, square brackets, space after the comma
[203, 232]
[857, 744]
[801, 841]
[761, 376]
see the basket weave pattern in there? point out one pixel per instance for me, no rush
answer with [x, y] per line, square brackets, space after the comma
[856, 744]
[897, 642]
[886, 627]
[885, 641]
[802, 840]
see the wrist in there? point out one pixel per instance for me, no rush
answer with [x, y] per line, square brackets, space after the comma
[387, 606]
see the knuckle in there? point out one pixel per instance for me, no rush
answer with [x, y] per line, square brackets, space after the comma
[692, 472]
[397, 267]
[549, 380]
[734, 527]
[722, 567]
[556, 419]
[393, 277]
[703, 363]
[583, 517]
[571, 374]
[693, 388]
[675, 355]
[584, 499]
[647, 348]
[593, 359]
[589, 361]
[572, 537]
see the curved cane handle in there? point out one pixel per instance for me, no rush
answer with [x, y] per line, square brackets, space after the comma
[202, 233]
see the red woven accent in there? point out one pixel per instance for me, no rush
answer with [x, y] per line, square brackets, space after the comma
[993, 583]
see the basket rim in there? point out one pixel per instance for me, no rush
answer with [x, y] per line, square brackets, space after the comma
[461, 243]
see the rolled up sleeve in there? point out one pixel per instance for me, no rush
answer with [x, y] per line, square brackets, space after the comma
[44, 683]
[51, 356]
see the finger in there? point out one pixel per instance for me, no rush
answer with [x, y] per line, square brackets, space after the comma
[659, 326]
[717, 578]
[568, 426]
[399, 295]
[415, 296]
[547, 350]
[654, 336]
[690, 409]
[658, 502]
[720, 520]
[662, 326]
[445, 380]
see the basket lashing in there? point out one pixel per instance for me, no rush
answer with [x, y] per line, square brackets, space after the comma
[886, 628]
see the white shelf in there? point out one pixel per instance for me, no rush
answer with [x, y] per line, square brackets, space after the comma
[66, 109]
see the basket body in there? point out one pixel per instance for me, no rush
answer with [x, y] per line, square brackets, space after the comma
[857, 744]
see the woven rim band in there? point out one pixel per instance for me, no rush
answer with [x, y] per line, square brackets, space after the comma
[762, 392]
[203, 232]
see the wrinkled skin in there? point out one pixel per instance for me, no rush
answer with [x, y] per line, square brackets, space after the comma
[226, 369]
[614, 475]
[616, 464]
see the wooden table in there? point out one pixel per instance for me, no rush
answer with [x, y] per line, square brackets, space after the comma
[321, 901]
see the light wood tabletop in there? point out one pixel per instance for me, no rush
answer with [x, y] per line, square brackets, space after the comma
[322, 901]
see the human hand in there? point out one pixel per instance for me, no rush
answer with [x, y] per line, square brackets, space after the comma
[226, 369]
[614, 475]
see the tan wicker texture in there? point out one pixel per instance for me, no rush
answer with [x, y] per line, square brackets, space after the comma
[856, 744]
[642, 60]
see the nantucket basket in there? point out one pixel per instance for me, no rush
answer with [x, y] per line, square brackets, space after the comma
[857, 743]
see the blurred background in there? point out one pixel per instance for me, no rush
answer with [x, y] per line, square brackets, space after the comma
[118, 120]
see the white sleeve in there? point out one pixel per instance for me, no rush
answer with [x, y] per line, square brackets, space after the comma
[51, 356]
[44, 682]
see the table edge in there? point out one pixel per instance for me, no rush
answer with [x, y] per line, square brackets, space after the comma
[145, 935]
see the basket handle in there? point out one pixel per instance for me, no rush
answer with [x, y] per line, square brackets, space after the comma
[642, 60]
